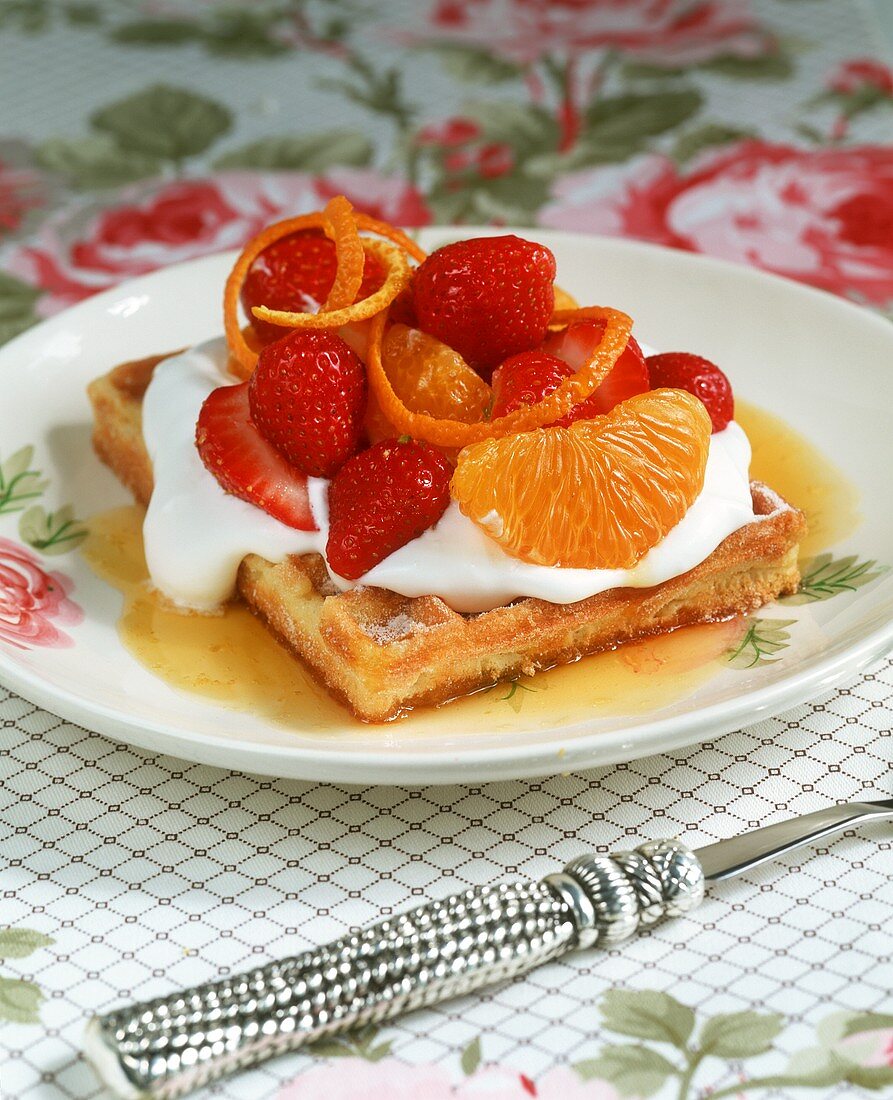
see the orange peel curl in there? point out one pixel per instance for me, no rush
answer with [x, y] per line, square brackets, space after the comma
[452, 433]
[398, 274]
[340, 225]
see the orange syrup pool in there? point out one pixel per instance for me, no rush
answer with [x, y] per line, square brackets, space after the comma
[230, 659]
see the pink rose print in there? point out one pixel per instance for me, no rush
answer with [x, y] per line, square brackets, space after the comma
[869, 1048]
[81, 250]
[31, 599]
[388, 1079]
[662, 32]
[21, 187]
[862, 73]
[822, 216]
[391, 1079]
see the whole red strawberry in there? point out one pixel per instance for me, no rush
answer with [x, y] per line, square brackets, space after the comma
[308, 398]
[296, 274]
[681, 370]
[527, 378]
[487, 297]
[382, 499]
[245, 464]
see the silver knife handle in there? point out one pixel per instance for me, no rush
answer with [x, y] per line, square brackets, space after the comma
[166, 1047]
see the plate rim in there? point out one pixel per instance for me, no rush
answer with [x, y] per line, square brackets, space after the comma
[566, 748]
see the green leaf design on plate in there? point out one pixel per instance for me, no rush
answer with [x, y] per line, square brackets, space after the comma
[19, 1001]
[471, 1056]
[305, 152]
[825, 576]
[762, 638]
[739, 1034]
[632, 1070]
[708, 136]
[18, 482]
[18, 943]
[17, 302]
[474, 65]
[163, 121]
[647, 1014]
[51, 532]
[95, 161]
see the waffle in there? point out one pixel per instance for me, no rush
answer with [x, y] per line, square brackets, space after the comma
[381, 654]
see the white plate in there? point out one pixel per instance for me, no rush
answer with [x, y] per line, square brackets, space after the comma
[822, 364]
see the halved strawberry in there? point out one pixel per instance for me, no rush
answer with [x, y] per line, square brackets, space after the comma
[628, 377]
[245, 464]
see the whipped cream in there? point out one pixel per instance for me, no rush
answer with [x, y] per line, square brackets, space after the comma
[196, 534]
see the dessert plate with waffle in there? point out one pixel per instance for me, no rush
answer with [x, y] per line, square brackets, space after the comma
[477, 505]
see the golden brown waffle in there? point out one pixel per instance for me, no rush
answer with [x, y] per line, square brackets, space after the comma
[381, 653]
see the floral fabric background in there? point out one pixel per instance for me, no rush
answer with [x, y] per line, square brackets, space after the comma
[146, 132]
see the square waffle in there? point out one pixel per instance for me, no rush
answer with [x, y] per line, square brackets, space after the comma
[381, 653]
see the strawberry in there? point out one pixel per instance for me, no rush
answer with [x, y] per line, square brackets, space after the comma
[681, 370]
[527, 378]
[308, 398]
[296, 273]
[487, 297]
[382, 499]
[628, 376]
[245, 464]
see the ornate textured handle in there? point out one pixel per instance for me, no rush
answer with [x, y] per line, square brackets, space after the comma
[167, 1047]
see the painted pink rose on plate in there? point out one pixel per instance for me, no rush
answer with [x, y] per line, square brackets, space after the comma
[823, 216]
[662, 32]
[33, 602]
[82, 249]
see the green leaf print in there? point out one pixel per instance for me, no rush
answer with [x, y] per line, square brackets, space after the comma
[707, 136]
[762, 638]
[632, 1070]
[623, 123]
[51, 532]
[825, 576]
[528, 130]
[19, 1001]
[17, 302]
[770, 66]
[156, 32]
[163, 121]
[471, 1056]
[95, 161]
[305, 152]
[18, 482]
[18, 943]
[739, 1034]
[647, 1014]
[354, 1044]
[473, 65]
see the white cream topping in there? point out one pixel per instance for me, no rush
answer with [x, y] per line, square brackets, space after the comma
[196, 534]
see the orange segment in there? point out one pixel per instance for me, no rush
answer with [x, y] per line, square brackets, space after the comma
[430, 377]
[597, 495]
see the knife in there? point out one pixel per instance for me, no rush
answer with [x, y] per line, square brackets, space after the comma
[166, 1047]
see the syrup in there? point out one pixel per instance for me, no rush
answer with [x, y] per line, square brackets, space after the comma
[232, 660]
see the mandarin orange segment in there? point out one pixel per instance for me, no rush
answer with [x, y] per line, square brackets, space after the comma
[597, 495]
[430, 377]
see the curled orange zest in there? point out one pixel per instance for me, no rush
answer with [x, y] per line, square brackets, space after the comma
[392, 233]
[398, 274]
[340, 225]
[244, 356]
[451, 433]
